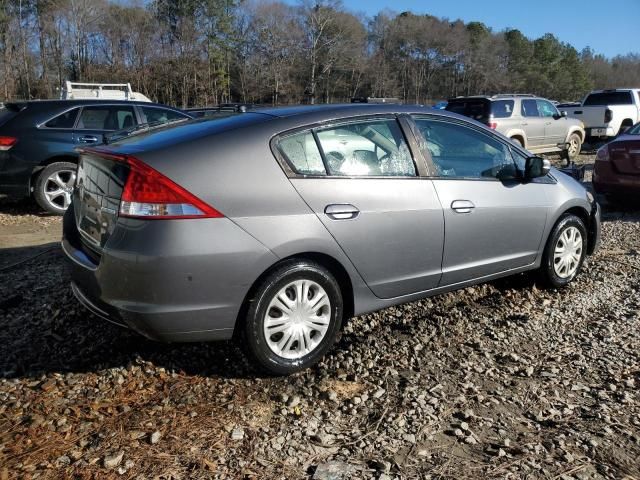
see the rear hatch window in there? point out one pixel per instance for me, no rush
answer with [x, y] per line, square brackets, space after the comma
[477, 108]
[608, 98]
[9, 111]
[99, 185]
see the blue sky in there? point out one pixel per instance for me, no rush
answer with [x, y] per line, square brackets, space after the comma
[610, 27]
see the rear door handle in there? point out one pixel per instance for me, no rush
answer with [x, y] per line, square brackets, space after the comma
[88, 139]
[341, 211]
[462, 206]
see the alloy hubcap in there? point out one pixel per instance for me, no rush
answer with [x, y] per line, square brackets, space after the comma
[297, 319]
[58, 188]
[568, 252]
[573, 146]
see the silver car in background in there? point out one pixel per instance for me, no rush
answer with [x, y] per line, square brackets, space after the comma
[275, 226]
[533, 122]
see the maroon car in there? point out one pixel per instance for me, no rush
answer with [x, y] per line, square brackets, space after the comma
[617, 169]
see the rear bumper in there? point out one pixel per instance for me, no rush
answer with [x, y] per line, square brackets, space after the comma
[171, 281]
[606, 180]
[600, 132]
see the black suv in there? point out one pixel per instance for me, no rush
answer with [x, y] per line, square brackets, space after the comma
[38, 141]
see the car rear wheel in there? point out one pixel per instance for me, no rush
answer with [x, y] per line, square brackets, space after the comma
[294, 317]
[565, 251]
[573, 150]
[54, 187]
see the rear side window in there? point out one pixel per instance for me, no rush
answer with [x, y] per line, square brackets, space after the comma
[65, 120]
[502, 108]
[106, 118]
[161, 115]
[478, 109]
[367, 148]
[302, 153]
[530, 108]
[609, 98]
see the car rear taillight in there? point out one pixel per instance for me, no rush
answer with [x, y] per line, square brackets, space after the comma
[608, 115]
[149, 194]
[603, 154]
[7, 142]
[492, 125]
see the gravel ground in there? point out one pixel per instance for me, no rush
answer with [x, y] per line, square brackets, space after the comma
[503, 380]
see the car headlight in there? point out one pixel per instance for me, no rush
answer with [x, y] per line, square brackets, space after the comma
[590, 197]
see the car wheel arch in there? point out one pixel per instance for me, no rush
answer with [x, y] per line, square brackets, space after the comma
[330, 263]
[45, 163]
[518, 136]
[578, 211]
[578, 132]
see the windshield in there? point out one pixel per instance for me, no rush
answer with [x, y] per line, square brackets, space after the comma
[635, 130]
[608, 98]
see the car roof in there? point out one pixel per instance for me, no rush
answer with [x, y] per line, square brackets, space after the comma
[85, 101]
[342, 109]
[273, 120]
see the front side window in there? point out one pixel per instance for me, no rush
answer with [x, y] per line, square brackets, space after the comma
[64, 120]
[161, 115]
[546, 109]
[106, 118]
[463, 152]
[530, 108]
[366, 148]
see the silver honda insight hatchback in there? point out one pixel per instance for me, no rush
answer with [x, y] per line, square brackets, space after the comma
[275, 226]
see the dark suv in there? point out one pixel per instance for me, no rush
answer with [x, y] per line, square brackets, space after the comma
[38, 141]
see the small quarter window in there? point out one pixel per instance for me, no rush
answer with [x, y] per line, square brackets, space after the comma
[65, 120]
[301, 151]
[161, 115]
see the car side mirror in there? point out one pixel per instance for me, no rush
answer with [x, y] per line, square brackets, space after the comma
[563, 113]
[536, 167]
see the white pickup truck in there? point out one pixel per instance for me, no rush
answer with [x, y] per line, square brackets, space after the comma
[607, 113]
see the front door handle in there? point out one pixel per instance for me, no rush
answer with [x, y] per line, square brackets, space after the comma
[462, 206]
[88, 139]
[341, 211]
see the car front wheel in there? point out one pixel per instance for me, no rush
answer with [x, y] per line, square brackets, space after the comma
[565, 251]
[294, 317]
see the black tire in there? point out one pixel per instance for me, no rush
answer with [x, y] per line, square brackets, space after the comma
[547, 270]
[43, 185]
[575, 142]
[254, 337]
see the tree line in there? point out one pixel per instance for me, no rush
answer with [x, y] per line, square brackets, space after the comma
[206, 52]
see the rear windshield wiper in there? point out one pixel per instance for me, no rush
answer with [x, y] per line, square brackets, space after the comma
[140, 128]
